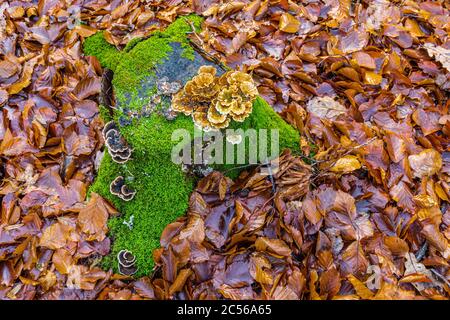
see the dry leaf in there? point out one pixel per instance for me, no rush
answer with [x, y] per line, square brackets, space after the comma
[289, 23]
[426, 163]
[346, 164]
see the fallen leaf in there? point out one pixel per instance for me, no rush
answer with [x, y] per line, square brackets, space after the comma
[276, 247]
[360, 287]
[55, 236]
[425, 164]
[92, 219]
[288, 23]
[325, 107]
[346, 164]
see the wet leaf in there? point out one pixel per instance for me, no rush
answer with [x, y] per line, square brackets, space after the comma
[56, 236]
[276, 247]
[360, 287]
[92, 219]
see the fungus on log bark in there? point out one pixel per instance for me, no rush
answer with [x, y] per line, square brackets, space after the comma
[120, 189]
[144, 81]
[126, 263]
[117, 146]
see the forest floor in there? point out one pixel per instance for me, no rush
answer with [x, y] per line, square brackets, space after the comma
[363, 214]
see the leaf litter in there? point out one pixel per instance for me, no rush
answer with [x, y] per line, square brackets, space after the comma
[363, 214]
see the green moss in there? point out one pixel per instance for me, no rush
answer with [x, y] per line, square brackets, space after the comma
[132, 43]
[97, 46]
[105, 113]
[163, 189]
[137, 63]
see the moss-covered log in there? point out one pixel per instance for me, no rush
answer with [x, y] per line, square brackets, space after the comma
[162, 188]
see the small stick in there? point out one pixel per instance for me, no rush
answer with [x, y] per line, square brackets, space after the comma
[440, 276]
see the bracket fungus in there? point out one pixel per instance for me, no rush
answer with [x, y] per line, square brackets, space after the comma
[120, 189]
[116, 144]
[126, 263]
[214, 101]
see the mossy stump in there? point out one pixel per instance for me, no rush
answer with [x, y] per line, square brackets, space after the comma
[162, 188]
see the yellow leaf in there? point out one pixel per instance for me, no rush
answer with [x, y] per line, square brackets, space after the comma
[179, 282]
[426, 163]
[85, 30]
[289, 23]
[425, 201]
[360, 287]
[413, 27]
[372, 78]
[347, 163]
[349, 73]
[25, 78]
[312, 286]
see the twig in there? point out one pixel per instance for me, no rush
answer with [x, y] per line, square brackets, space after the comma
[239, 167]
[199, 48]
[440, 276]
[268, 165]
[422, 251]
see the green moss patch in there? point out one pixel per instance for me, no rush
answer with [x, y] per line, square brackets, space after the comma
[163, 189]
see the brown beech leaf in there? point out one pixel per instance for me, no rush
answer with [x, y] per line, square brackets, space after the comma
[436, 238]
[330, 283]
[396, 245]
[56, 236]
[194, 230]
[181, 279]
[364, 60]
[85, 31]
[426, 163]
[8, 69]
[354, 260]
[62, 259]
[325, 107]
[360, 288]
[401, 193]
[275, 247]
[87, 87]
[92, 219]
[25, 78]
[355, 40]
[15, 146]
[310, 210]
[346, 164]
[288, 23]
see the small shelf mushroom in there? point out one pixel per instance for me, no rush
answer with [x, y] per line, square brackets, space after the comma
[120, 189]
[126, 263]
[214, 101]
[115, 143]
